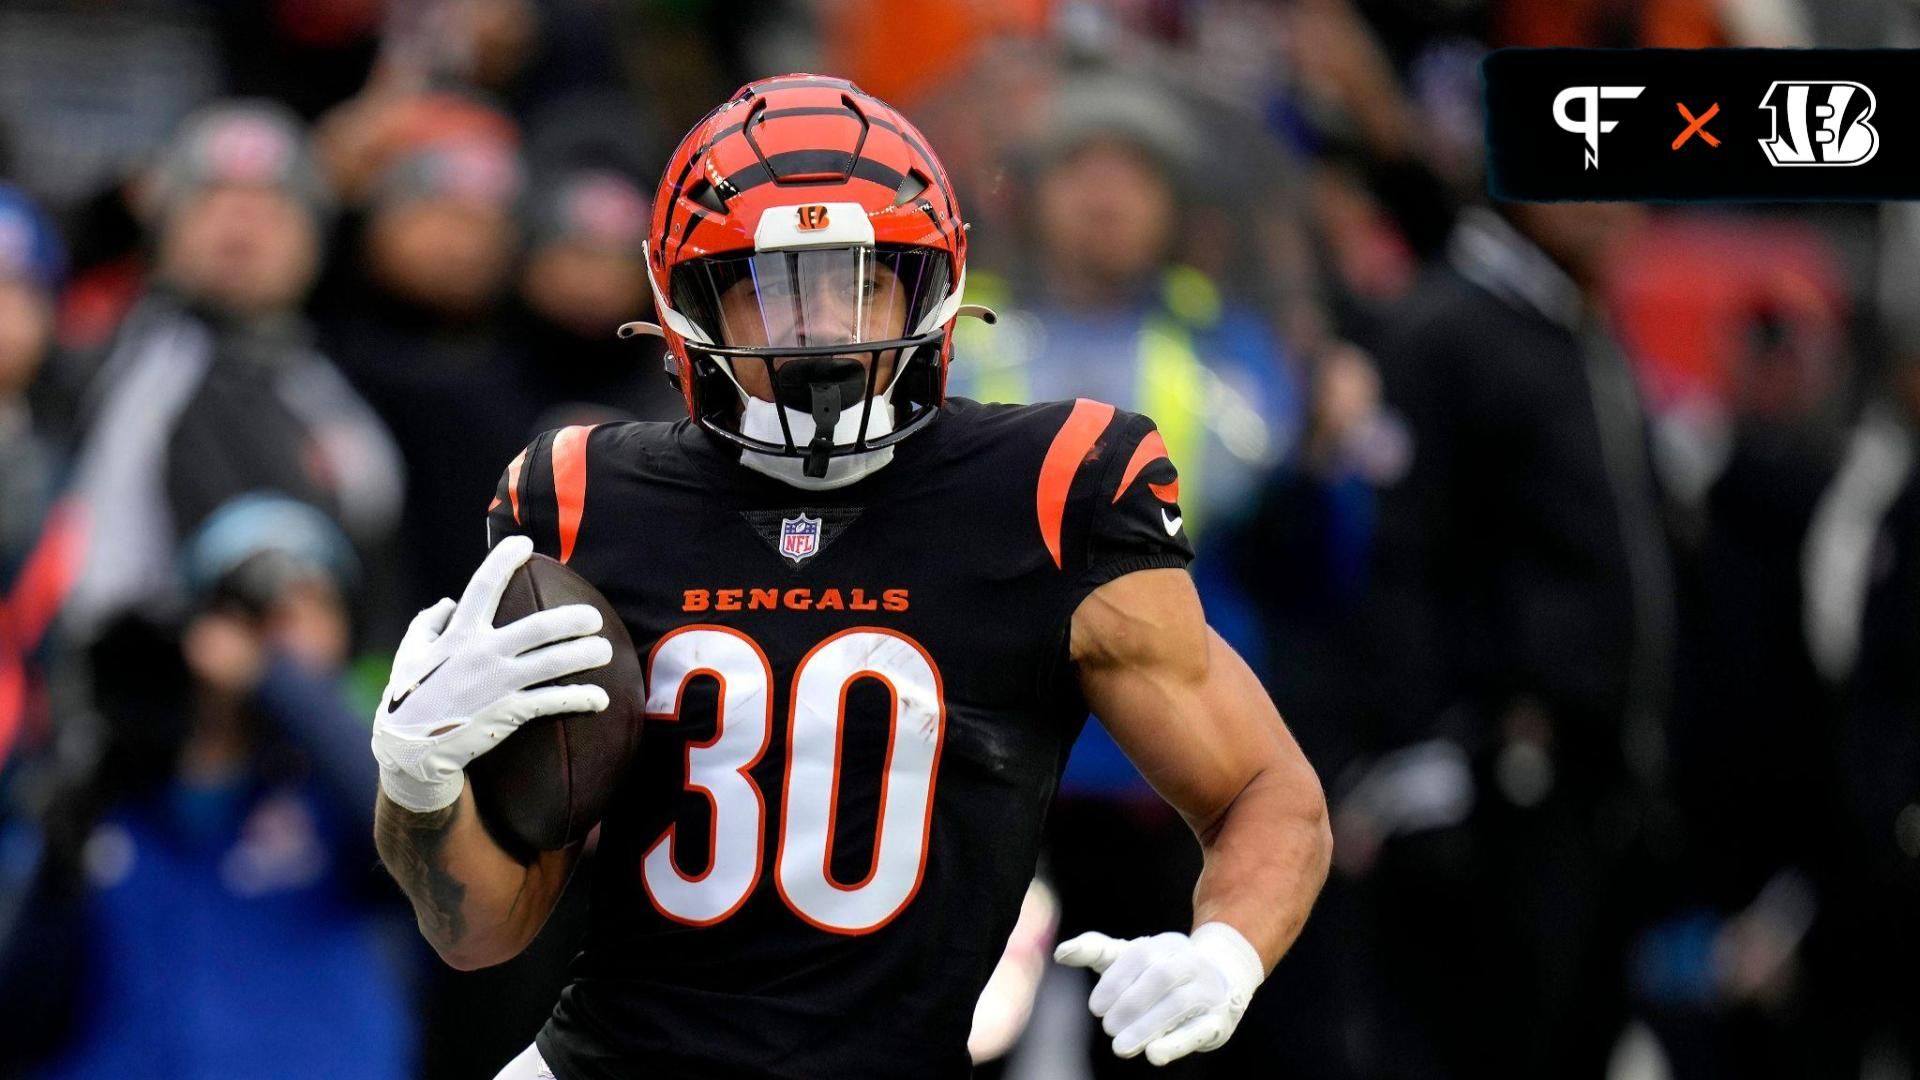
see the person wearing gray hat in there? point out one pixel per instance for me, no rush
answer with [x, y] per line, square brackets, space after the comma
[440, 232]
[1116, 108]
[585, 274]
[212, 386]
[243, 141]
[237, 207]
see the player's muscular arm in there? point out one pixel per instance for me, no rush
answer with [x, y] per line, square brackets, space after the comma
[1192, 716]
[476, 905]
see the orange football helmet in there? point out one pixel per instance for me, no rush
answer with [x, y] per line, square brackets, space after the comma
[807, 222]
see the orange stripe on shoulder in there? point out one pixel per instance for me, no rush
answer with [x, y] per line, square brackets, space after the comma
[513, 482]
[1151, 449]
[570, 483]
[1076, 437]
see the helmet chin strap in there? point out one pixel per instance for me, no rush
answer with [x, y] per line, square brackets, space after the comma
[811, 397]
[823, 387]
[826, 414]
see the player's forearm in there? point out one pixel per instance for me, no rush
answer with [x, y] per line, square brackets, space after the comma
[1266, 859]
[474, 903]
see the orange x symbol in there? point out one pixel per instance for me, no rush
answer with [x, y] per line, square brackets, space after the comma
[1697, 124]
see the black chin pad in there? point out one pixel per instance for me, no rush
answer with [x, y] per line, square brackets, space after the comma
[794, 381]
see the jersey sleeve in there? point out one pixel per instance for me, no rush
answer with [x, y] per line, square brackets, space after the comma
[1134, 520]
[542, 493]
[503, 513]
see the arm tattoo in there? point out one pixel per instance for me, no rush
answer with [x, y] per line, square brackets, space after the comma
[410, 845]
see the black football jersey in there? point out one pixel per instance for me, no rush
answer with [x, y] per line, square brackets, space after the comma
[859, 702]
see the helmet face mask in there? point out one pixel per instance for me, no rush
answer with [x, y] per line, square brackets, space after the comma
[838, 385]
[807, 253]
[823, 331]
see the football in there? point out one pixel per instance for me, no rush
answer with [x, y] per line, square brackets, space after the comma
[551, 781]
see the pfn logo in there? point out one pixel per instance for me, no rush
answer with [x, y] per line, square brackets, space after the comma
[1588, 124]
[1826, 124]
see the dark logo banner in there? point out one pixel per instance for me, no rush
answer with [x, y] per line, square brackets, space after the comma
[1711, 124]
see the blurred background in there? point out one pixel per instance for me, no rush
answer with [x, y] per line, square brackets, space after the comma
[1576, 542]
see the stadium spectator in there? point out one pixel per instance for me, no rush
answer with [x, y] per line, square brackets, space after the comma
[206, 887]
[1863, 605]
[365, 135]
[31, 264]
[1735, 978]
[1098, 307]
[584, 276]
[1518, 645]
[420, 325]
[213, 387]
[415, 327]
[1096, 304]
[39, 544]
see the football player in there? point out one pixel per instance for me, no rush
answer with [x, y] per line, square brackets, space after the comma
[874, 619]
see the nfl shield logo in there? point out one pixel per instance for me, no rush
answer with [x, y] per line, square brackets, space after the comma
[799, 537]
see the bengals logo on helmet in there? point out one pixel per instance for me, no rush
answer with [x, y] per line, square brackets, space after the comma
[812, 218]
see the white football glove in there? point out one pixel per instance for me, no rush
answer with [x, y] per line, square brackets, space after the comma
[1170, 994]
[460, 684]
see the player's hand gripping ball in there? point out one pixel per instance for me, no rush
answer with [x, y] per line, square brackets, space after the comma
[553, 780]
[529, 641]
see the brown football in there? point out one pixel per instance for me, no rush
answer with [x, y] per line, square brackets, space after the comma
[550, 782]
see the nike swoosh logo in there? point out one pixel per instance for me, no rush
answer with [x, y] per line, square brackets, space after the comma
[1172, 523]
[403, 695]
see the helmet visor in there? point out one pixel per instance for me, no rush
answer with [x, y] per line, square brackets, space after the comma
[817, 297]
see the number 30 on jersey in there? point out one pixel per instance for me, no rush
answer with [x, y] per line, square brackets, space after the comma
[719, 768]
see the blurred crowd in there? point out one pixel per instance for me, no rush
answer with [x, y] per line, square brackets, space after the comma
[1579, 543]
